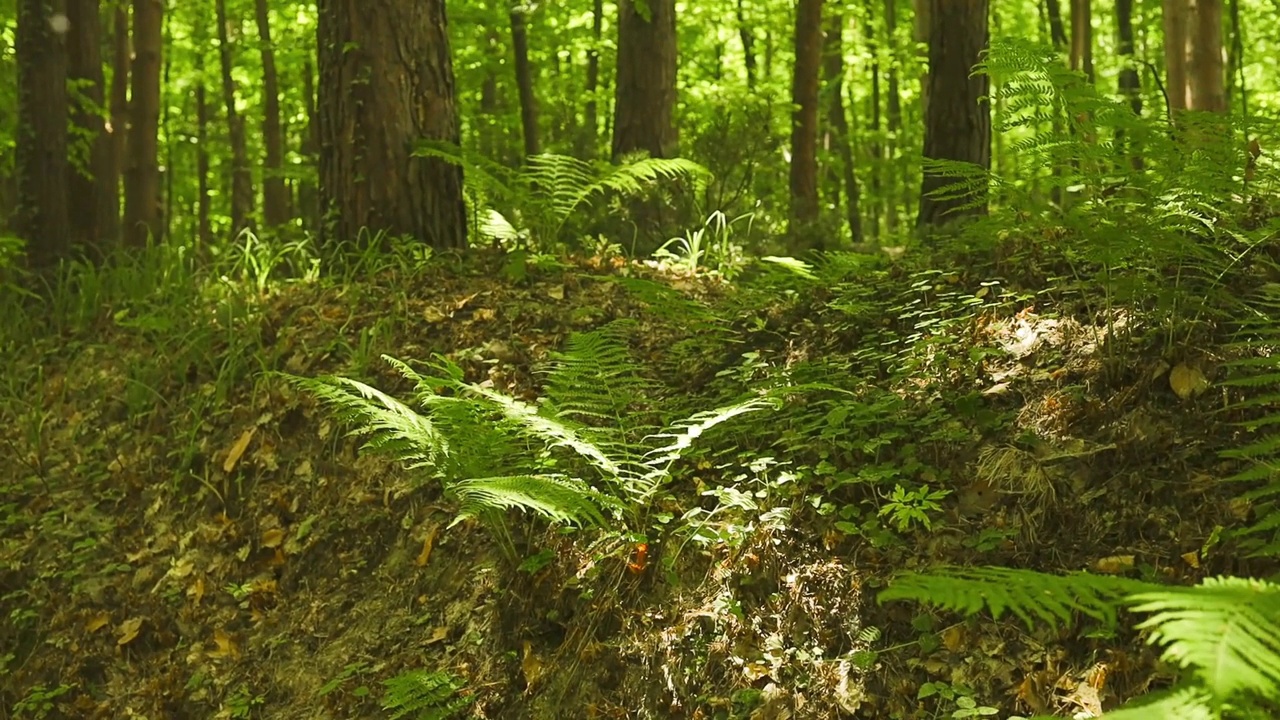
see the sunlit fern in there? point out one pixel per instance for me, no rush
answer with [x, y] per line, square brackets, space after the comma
[424, 695]
[542, 196]
[1225, 632]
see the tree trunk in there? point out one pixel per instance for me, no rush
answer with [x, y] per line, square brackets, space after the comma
[275, 198]
[142, 178]
[958, 123]
[592, 112]
[1057, 31]
[524, 80]
[833, 76]
[204, 227]
[804, 119]
[241, 176]
[1176, 17]
[41, 217]
[308, 193]
[119, 109]
[1235, 60]
[748, 46]
[1207, 76]
[922, 28]
[894, 112]
[645, 92]
[1130, 82]
[874, 147]
[89, 182]
[371, 119]
[1082, 37]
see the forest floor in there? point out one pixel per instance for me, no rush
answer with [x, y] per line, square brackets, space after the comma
[184, 535]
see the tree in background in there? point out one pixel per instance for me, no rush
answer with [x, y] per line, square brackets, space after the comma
[41, 217]
[91, 185]
[958, 116]
[804, 120]
[371, 119]
[645, 92]
[142, 175]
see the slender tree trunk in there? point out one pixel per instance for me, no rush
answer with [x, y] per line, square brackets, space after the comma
[1130, 82]
[204, 226]
[43, 208]
[275, 197]
[371, 119]
[804, 121]
[1175, 53]
[645, 92]
[89, 183]
[142, 178]
[1235, 60]
[308, 194]
[923, 26]
[958, 124]
[119, 108]
[748, 39]
[874, 146]
[833, 71]
[166, 168]
[241, 175]
[894, 112]
[1082, 37]
[592, 111]
[1057, 31]
[524, 80]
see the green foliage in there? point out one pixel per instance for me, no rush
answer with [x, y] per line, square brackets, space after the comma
[425, 695]
[545, 193]
[1225, 632]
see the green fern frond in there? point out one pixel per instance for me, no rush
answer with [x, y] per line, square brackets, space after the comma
[394, 428]
[1188, 702]
[555, 497]
[1031, 596]
[683, 433]
[595, 381]
[1227, 630]
[424, 695]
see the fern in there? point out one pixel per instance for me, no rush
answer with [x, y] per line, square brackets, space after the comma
[550, 189]
[424, 695]
[1225, 631]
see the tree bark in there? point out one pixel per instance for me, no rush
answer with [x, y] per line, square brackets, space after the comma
[645, 91]
[958, 123]
[592, 110]
[308, 192]
[1082, 37]
[371, 118]
[1175, 18]
[1206, 74]
[142, 178]
[41, 217]
[748, 39]
[874, 146]
[1130, 84]
[804, 118]
[275, 197]
[1057, 30]
[89, 181]
[524, 80]
[241, 176]
[119, 102]
[894, 112]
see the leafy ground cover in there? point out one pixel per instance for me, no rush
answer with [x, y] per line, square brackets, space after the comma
[186, 533]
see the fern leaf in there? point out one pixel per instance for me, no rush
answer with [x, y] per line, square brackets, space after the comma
[554, 497]
[1031, 596]
[424, 695]
[1188, 702]
[1226, 629]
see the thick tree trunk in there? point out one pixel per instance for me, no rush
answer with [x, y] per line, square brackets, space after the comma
[1176, 17]
[804, 118]
[241, 175]
[1207, 76]
[958, 123]
[275, 197]
[645, 92]
[41, 217]
[524, 81]
[371, 118]
[833, 77]
[89, 182]
[142, 177]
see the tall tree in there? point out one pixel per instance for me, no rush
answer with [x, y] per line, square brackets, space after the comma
[142, 176]
[958, 121]
[241, 174]
[833, 71]
[370, 119]
[41, 217]
[804, 118]
[591, 133]
[1207, 73]
[524, 77]
[748, 38]
[121, 61]
[1082, 37]
[90, 183]
[275, 197]
[645, 92]
[1130, 84]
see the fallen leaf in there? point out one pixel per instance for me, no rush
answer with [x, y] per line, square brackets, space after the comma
[1191, 558]
[225, 645]
[438, 634]
[556, 292]
[1186, 381]
[530, 665]
[434, 315]
[237, 450]
[97, 622]
[428, 543]
[272, 538]
[464, 301]
[484, 314]
[196, 591]
[128, 631]
[1114, 565]
[955, 638]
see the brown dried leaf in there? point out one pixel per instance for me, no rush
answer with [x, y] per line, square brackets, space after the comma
[237, 450]
[128, 631]
[1186, 381]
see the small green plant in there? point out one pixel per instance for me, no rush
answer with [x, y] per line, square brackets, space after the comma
[39, 702]
[425, 695]
[913, 507]
[958, 696]
[242, 702]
